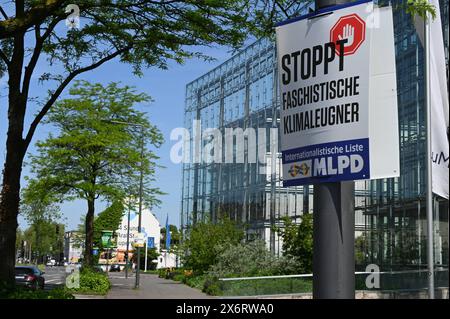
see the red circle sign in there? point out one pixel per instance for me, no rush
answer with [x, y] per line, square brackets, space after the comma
[352, 28]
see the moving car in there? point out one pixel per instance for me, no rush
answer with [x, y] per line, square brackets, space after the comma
[30, 277]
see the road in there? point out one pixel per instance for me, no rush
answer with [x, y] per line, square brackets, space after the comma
[54, 277]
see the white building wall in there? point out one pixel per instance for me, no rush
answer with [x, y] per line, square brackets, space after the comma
[166, 260]
[149, 225]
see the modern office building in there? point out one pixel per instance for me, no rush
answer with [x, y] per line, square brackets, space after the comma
[390, 217]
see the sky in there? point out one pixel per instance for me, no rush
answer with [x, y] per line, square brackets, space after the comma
[166, 87]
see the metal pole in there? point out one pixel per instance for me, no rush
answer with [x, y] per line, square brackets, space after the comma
[334, 232]
[141, 182]
[145, 266]
[128, 239]
[429, 194]
[24, 251]
[107, 260]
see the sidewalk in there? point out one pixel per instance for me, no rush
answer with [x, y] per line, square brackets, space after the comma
[150, 287]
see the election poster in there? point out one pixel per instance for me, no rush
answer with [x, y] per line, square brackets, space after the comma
[339, 118]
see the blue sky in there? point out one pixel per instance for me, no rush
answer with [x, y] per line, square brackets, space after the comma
[166, 87]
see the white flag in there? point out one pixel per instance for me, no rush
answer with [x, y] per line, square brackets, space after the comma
[439, 103]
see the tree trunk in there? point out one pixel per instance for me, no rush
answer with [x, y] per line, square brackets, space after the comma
[15, 152]
[89, 228]
[9, 205]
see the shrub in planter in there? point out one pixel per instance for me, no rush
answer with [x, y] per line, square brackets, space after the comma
[93, 282]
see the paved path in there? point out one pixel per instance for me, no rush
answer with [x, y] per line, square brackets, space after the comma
[150, 287]
[54, 277]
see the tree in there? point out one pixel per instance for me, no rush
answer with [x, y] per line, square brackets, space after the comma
[201, 247]
[298, 241]
[92, 157]
[109, 219]
[152, 254]
[39, 210]
[46, 239]
[141, 33]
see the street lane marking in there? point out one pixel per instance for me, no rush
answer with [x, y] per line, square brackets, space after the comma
[51, 280]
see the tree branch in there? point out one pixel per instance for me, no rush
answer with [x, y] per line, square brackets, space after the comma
[61, 88]
[4, 58]
[21, 23]
[282, 9]
[37, 52]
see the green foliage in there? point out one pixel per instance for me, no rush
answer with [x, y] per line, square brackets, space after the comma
[92, 282]
[26, 293]
[45, 237]
[152, 254]
[298, 241]
[360, 250]
[420, 8]
[196, 282]
[92, 157]
[109, 219]
[205, 241]
[250, 259]
[140, 33]
[212, 286]
[45, 233]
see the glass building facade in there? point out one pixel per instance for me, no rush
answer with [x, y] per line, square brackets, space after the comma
[390, 219]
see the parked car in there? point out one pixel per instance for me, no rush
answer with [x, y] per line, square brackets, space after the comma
[51, 263]
[98, 268]
[114, 268]
[30, 277]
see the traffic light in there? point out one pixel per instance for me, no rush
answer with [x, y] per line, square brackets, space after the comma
[57, 229]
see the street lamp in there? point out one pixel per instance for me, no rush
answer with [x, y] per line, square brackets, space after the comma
[141, 182]
[128, 239]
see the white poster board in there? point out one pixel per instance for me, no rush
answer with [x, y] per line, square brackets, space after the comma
[339, 118]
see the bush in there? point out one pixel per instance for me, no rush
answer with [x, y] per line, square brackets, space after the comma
[250, 259]
[298, 242]
[197, 282]
[178, 277]
[25, 293]
[200, 248]
[212, 286]
[92, 282]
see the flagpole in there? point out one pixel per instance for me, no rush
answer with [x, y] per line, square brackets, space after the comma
[429, 192]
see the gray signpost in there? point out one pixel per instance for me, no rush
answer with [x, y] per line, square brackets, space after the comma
[330, 156]
[334, 231]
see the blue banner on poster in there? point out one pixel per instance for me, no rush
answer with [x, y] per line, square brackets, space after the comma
[328, 162]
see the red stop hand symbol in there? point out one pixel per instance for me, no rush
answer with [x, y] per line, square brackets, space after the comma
[352, 28]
